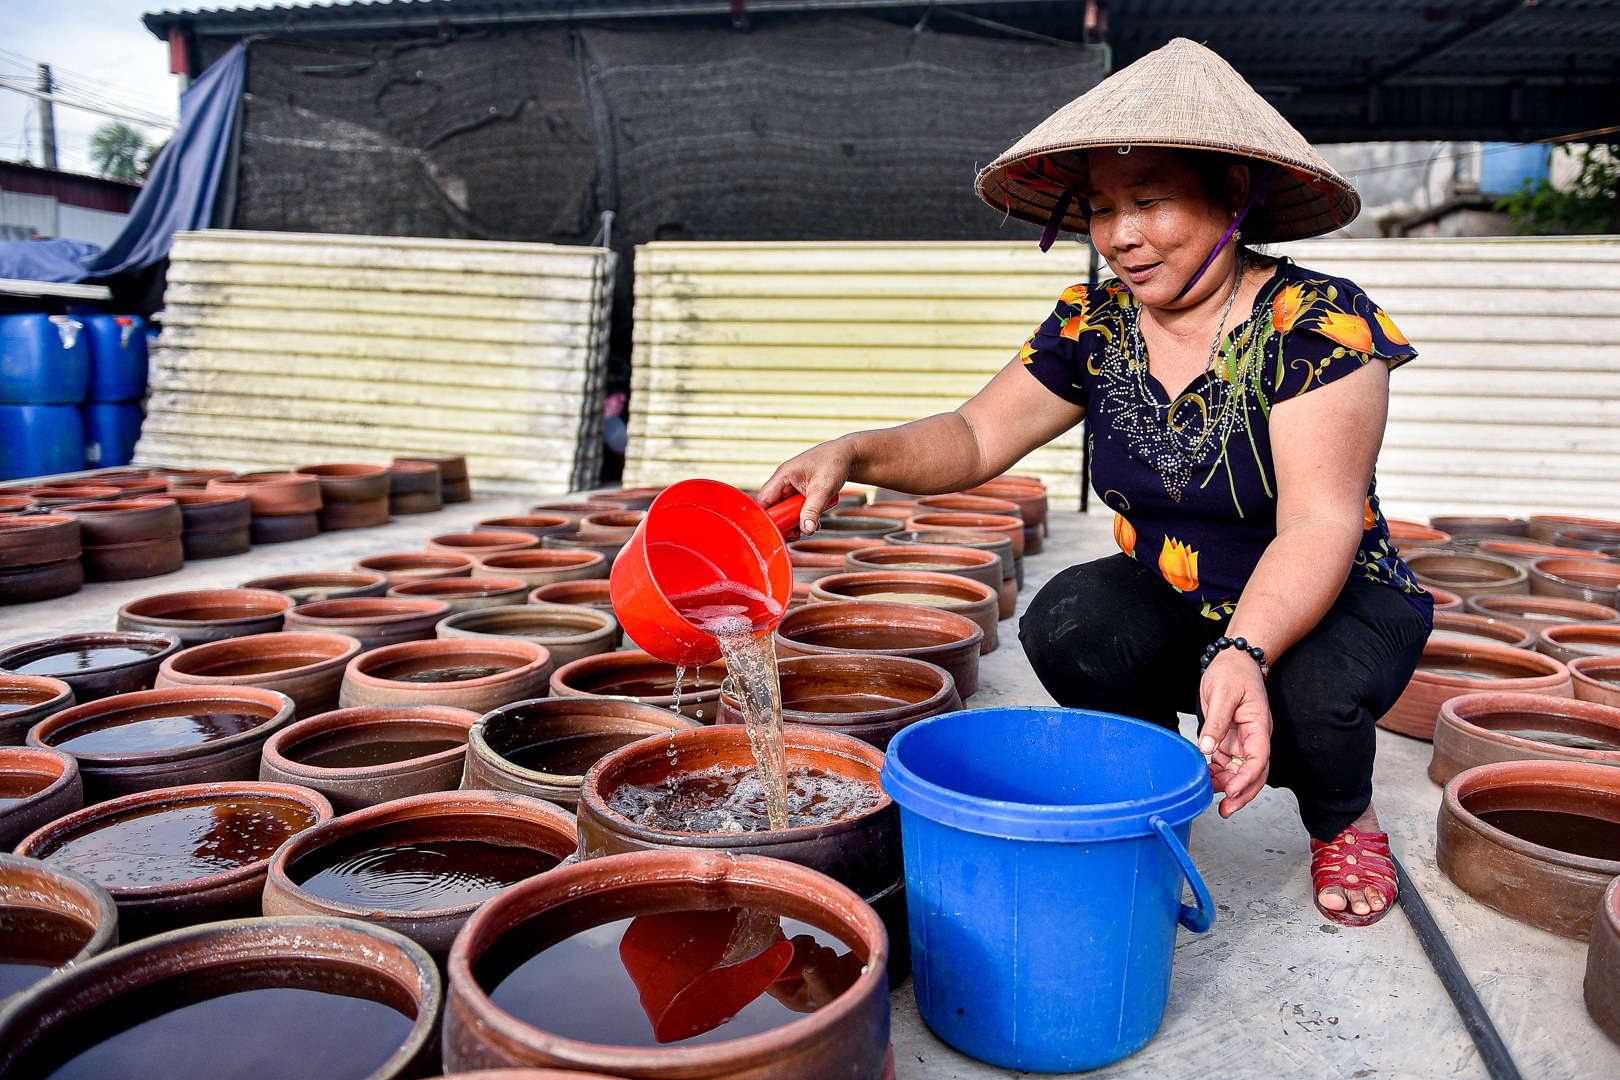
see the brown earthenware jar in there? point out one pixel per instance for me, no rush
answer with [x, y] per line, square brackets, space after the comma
[895, 510]
[611, 524]
[1506, 859]
[126, 539]
[571, 510]
[1593, 540]
[606, 546]
[348, 482]
[642, 677]
[823, 556]
[568, 631]
[415, 487]
[536, 525]
[38, 539]
[487, 542]
[214, 524]
[543, 567]
[872, 698]
[25, 700]
[139, 752]
[961, 503]
[1445, 600]
[207, 614]
[46, 581]
[37, 786]
[492, 817]
[875, 626]
[594, 592]
[331, 585]
[192, 478]
[274, 494]
[405, 566]
[971, 563]
[464, 594]
[78, 918]
[361, 757]
[1460, 626]
[1467, 575]
[94, 665]
[1492, 668]
[1537, 613]
[1012, 564]
[16, 504]
[943, 592]
[1480, 525]
[1478, 729]
[68, 495]
[1546, 527]
[872, 529]
[307, 667]
[1525, 552]
[283, 528]
[578, 732]
[627, 498]
[513, 670]
[455, 483]
[1007, 525]
[1597, 678]
[374, 621]
[1602, 983]
[1574, 640]
[1411, 533]
[1577, 579]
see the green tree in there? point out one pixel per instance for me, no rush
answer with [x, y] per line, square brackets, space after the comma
[1590, 205]
[116, 148]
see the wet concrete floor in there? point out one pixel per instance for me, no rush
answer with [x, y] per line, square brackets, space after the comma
[1272, 991]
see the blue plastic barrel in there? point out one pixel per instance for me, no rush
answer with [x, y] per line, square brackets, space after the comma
[1045, 851]
[39, 439]
[44, 360]
[110, 431]
[118, 357]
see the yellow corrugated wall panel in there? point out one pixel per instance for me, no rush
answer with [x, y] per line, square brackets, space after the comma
[284, 349]
[747, 353]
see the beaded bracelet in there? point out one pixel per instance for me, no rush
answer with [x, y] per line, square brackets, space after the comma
[1241, 644]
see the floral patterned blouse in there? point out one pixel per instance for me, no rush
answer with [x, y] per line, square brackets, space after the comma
[1191, 481]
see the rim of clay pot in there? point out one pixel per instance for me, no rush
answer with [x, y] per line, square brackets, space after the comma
[1571, 636]
[75, 493]
[34, 692]
[157, 647]
[861, 667]
[328, 649]
[612, 522]
[563, 680]
[1530, 550]
[1501, 573]
[1579, 573]
[1596, 540]
[1556, 523]
[40, 761]
[121, 506]
[540, 559]
[894, 511]
[338, 579]
[634, 498]
[1534, 665]
[534, 657]
[1477, 524]
[622, 711]
[1469, 714]
[873, 527]
[482, 541]
[156, 609]
[585, 621]
[1415, 532]
[599, 592]
[789, 889]
[304, 940]
[963, 503]
[1532, 774]
[884, 613]
[482, 810]
[1510, 605]
[367, 611]
[967, 592]
[47, 838]
[205, 498]
[456, 721]
[458, 588]
[525, 522]
[407, 564]
[823, 551]
[1445, 599]
[94, 906]
[274, 709]
[1485, 628]
[21, 523]
[1591, 671]
[577, 507]
[879, 557]
[341, 470]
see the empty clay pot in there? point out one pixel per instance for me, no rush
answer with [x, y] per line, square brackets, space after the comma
[536, 525]
[849, 1037]
[274, 494]
[349, 482]
[127, 521]
[876, 626]
[1012, 564]
[487, 542]
[1481, 525]
[60, 1018]
[572, 510]
[37, 786]
[416, 566]
[823, 556]
[561, 737]
[399, 674]
[455, 484]
[207, 614]
[645, 678]
[1007, 525]
[1596, 678]
[1460, 626]
[464, 594]
[25, 700]
[1546, 527]
[1525, 552]
[1602, 984]
[944, 592]
[594, 592]
[38, 539]
[331, 585]
[496, 818]
[307, 667]
[1577, 579]
[54, 918]
[1537, 613]
[1579, 639]
[1467, 575]
[856, 528]
[415, 487]
[606, 546]
[374, 621]
[94, 665]
[369, 755]
[1411, 534]
[1498, 825]
[205, 860]
[1478, 729]
[568, 631]
[971, 563]
[537, 568]
[214, 524]
[1494, 668]
[871, 698]
[1593, 540]
[282, 528]
[611, 524]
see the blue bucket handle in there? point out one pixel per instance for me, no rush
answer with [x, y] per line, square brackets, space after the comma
[1201, 918]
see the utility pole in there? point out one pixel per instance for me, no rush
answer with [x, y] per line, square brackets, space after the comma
[47, 118]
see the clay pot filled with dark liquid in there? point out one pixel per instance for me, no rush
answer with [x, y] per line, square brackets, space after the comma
[162, 738]
[207, 614]
[307, 667]
[466, 673]
[919, 588]
[361, 757]
[180, 855]
[635, 674]
[373, 621]
[25, 700]
[568, 631]
[420, 865]
[875, 626]
[871, 698]
[464, 594]
[37, 786]
[271, 999]
[566, 971]
[544, 747]
[48, 918]
[1481, 729]
[335, 585]
[404, 566]
[94, 665]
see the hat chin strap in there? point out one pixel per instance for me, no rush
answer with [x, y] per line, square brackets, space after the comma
[1257, 195]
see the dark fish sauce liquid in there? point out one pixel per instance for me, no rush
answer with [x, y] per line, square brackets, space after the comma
[388, 869]
[460, 673]
[1577, 834]
[571, 755]
[34, 942]
[76, 661]
[122, 735]
[845, 703]
[336, 752]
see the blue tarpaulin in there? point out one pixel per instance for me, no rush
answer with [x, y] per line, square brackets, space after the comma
[179, 193]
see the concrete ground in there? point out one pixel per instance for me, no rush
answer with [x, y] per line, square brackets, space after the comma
[1272, 991]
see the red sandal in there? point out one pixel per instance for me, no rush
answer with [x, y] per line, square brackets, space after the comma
[1354, 860]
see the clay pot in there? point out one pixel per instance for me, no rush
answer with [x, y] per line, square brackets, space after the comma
[207, 614]
[127, 562]
[572, 510]
[283, 528]
[1030, 498]
[967, 598]
[971, 563]
[498, 817]
[536, 525]
[1546, 527]
[801, 595]
[1407, 533]
[192, 477]
[1596, 678]
[1445, 600]
[536, 568]
[1602, 983]
[611, 524]
[1537, 613]
[274, 494]
[337, 956]
[1512, 671]
[1480, 525]
[642, 677]
[596, 593]
[876, 626]
[1455, 625]
[1544, 886]
[68, 495]
[25, 700]
[968, 504]
[1593, 540]
[454, 483]
[529, 1074]
[847, 1038]
[857, 528]
[568, 631]
[375, 678]
[823, 556]
[333, 585]
[307, 667]
[214, 524]
[45, 785]
[606, 546]
[464, 594]
[16, 504]
[27, 584]
[627, 498]
[38, 539]
[115, 675]
[135, 484]
[109, 774]
[1012, 563]
[894, 510]
[415, 487]
[1467, 575]
[1473, 730]
[871, 698]
[1008, 526]
[92, 920]
[1525, 552]
[348, 482]
[514, 728]
[293, 754]
[127, 539]
[1577, 579]
[373, 621]
[416, 566]
[1579, 639]
[223, 894]
[338, 516]
[475, 544]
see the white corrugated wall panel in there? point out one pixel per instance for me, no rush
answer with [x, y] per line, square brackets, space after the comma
[284, 349]
[748, 353]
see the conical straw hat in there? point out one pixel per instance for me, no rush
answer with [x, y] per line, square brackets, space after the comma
[1182, 95]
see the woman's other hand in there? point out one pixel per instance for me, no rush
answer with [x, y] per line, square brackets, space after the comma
[818, 474]
[1237, 728]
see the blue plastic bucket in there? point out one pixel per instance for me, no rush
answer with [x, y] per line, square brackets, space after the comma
[1045, 852]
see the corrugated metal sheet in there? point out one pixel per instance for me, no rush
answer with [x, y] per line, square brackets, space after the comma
[291, 348]
[748, 353]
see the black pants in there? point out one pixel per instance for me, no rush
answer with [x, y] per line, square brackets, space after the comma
[1113, 635]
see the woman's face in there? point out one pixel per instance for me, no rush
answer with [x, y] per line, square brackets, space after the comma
[1155, 224]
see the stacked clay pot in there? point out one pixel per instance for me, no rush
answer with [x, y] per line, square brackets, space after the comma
[37, 786]
[353, 496]
[414, 487]
[286, 506]
[26, 700]
[94, 665]
[303, 753]
[455, 484]
[39, 557]
[123, 539]
[214, 523]
[203, 615]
